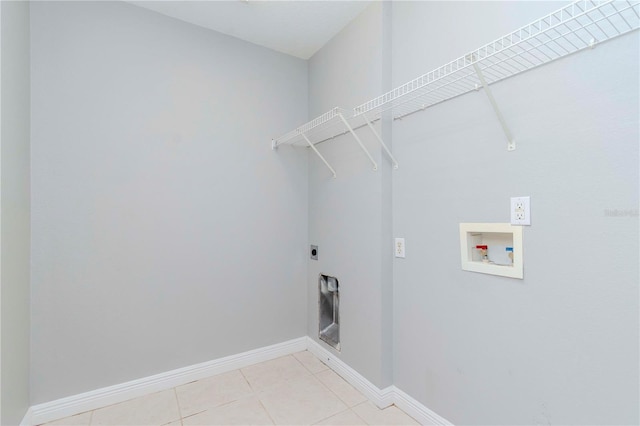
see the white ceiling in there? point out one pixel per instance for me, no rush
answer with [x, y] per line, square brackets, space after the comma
[298, 28]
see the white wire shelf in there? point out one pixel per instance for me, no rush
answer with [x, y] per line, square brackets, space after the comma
[329, 125]
[321, 128]
[579, 25]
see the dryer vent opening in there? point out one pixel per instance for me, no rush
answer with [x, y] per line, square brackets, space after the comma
[329, 306]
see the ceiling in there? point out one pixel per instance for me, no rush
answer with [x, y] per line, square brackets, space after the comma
[295, 27]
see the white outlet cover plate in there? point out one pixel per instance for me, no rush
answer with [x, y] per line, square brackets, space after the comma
[521, 210]
[399, 247]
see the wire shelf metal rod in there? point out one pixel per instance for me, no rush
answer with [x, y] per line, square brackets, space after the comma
[346, 123]
[326, 163]
[384, 146]
[511, 144]
[607, 17]
[596, 23]
[430, 91]
[566, 38]
[400, 91]
[504, 64]
[633, 9]
[583, 27]
[537, 49]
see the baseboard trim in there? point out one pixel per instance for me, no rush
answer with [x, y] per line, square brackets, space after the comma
[98, 398]
[418, 411]
[383, 398]
[27, 419]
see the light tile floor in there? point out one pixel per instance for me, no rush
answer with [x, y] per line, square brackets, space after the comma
[295, 389]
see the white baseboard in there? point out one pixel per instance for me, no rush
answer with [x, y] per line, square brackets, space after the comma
[422, 414]
[27, 419]
[98, 398]
[383, 398]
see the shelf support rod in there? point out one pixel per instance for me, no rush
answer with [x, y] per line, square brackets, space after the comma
[319, 155]
[384, 146]
[375, 165]
[511, 145]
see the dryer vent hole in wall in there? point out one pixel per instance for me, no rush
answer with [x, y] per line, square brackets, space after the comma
[329, 310]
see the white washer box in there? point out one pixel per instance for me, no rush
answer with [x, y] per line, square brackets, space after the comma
[497, 237]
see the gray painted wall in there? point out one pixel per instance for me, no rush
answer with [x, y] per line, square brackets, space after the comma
[346, 214]
[165, 230]
[14, 206]
[560, 346]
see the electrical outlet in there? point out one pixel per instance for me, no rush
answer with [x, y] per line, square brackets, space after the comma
[399, 247]
[521, 211]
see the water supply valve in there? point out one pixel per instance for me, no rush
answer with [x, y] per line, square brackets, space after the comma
[483, 251]
[510, 253]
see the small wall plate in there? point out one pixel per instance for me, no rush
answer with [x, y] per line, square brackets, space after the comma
[313, 253]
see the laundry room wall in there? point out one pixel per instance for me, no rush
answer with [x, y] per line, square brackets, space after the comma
[349, 215]
[561, 345]
[165, 230]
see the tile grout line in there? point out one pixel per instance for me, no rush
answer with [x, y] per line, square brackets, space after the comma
[314, 375]
[330, 390]
[349, 408]
[307, 368]
[247, 381]
[265, 410]
[328, 417]
[194, 414]
[356, 413]
[175, 393]
[257, 396]
[309, 373]
[358, 416]
[91, 417]
[299, 362]
[336, 394]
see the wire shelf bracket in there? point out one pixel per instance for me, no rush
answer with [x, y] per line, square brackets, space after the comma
[384, 146]
[346, 123]
[329, 125]
[312, 146]
[511, 143]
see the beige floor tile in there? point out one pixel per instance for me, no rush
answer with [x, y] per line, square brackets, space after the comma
[154, 409]
[346, 418]
[265, 374]
[347, 393]
[310, 361]
[83, 419]
[389, 416]
[246, 411]
[211, 392]
[300, 401]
